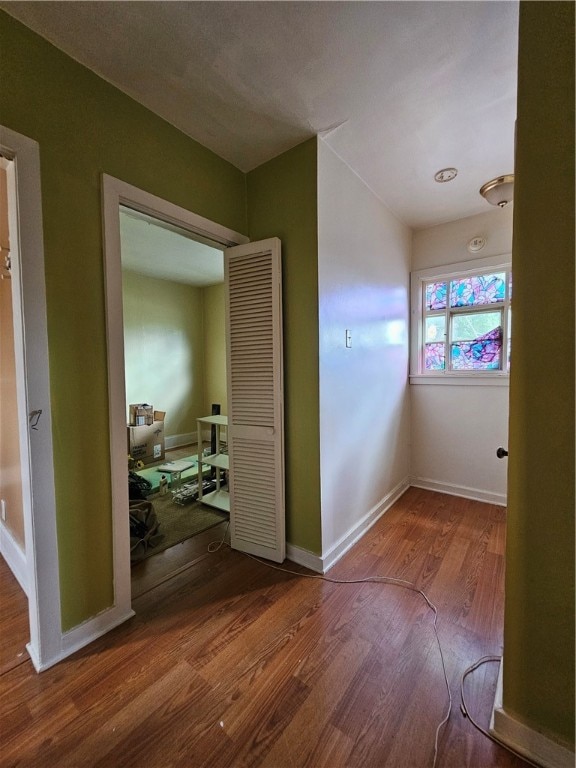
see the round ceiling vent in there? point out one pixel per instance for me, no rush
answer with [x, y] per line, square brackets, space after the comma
[446, 174]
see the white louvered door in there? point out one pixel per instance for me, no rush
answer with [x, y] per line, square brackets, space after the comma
[255, 398]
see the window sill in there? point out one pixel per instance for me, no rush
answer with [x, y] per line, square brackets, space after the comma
[462, 379]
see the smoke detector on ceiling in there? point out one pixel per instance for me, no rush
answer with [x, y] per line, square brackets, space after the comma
[476, 244]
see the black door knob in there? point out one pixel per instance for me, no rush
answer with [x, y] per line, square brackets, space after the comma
[501, 452]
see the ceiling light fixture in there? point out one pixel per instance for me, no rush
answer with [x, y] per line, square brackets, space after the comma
[499, 191]
[446, 174]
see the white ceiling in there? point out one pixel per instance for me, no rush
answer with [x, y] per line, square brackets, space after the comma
[413, 86]
[157, 249]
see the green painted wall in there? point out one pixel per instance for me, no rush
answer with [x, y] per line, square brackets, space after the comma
[282, 202]
[539, 614]
[85, 127]
[164, 349]
[215, 384]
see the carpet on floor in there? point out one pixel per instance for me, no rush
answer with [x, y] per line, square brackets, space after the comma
[178, 523]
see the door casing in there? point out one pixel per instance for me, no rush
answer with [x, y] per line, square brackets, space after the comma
[114, 194]
[41, 581]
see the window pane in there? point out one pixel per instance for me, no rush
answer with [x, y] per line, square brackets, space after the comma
[435, 328]
[434, 356]
[467, 327]
[436, 296]
[483, 353]
[480, 289]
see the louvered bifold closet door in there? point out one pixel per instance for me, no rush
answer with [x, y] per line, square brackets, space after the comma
[255, 398]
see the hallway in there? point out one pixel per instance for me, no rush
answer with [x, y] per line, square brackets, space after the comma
[232, 663]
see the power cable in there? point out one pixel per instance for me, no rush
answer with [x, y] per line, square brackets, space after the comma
[376, 580]
[413, 588]
[466, 713]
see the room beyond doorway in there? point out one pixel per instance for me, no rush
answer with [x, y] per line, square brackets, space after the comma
[174, 359]
[118, 194]
[173, 323]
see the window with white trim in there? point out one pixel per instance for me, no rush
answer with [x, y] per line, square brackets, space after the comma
[461, 320]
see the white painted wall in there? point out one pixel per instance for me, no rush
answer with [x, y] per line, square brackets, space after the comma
[455, 433]
[446, 243]
[456, 429]
[363, 279]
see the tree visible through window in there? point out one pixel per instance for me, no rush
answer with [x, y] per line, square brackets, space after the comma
[466, 322]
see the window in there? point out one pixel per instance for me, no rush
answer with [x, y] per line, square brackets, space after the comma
[461, 320]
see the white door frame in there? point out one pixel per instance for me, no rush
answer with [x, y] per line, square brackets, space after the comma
[114, 194]
[41, 581]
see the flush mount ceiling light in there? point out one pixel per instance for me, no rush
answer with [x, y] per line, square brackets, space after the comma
[499, 191]
[446, 174]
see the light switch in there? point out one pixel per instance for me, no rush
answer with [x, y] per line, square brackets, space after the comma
[348, 338]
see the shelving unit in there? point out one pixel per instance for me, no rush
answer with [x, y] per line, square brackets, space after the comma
[219, 498]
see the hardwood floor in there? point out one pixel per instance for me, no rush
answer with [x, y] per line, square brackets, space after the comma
[232, 663]
[149, 573]
[14, 633]
[152, 571]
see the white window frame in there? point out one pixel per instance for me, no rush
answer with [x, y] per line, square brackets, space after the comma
[418, 374]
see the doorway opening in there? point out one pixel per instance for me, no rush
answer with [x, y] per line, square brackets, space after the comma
[12, 534]
[175, 370]
[127, 206]
[29, 540]
[11, 501]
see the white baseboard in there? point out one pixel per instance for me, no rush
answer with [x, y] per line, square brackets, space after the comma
[82, 635]
[304, 557]
[524, 740]
[322, 563]
[187, 438]
[459, 490]
[177, 441]
[15, 556]
[355, 533]
[93, 628]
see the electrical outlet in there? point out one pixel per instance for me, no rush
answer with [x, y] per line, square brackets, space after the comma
[3, 509]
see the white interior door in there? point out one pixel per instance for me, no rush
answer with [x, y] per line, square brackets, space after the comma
[255, 398]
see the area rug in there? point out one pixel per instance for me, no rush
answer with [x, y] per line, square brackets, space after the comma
[178, 523]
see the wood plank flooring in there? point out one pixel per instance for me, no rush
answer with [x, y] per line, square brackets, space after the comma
[154, 570]
[232, 663]
[14, 633]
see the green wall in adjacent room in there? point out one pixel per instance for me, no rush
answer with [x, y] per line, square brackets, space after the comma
[214, 319]
[164, 349]
[538, 686]
[86, 127]
[282, 202]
